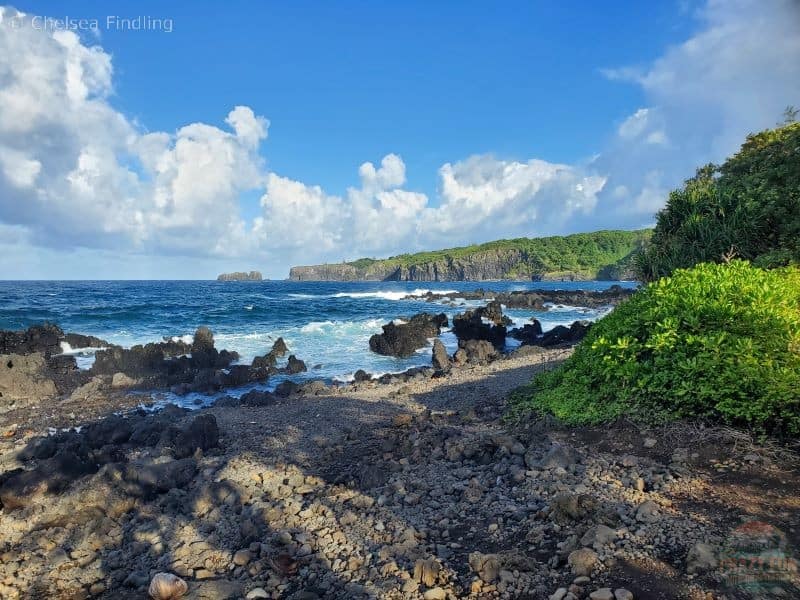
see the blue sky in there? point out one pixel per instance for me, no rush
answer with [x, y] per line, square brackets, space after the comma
[497, 119]
[346, 82]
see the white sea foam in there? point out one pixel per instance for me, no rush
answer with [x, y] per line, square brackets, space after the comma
[70, 351]
[249, 307]
[316, 326]
[393, 295]
[186, 339]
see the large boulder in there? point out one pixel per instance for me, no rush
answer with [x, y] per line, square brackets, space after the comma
[202, 433]
[527, 334]
[24, 380]
[295, 365]
[440, 360]
[478, 352]
[402, 339]
[564, 335]
[485, 323]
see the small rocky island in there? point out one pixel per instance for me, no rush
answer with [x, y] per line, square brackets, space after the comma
[240, 276]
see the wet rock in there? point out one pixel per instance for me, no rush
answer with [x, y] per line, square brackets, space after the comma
[264, 363]
[528, 333]
[602, 594]
[203, 340]
[279, 348]
[361, 375]
[486, 323]
[295, 365]
[403, 339]
[622, 594]
[564, 335]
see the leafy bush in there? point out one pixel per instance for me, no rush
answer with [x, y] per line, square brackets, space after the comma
[718, 341]
[748, 207]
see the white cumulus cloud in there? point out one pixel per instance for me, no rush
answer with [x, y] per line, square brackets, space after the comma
[77, 173]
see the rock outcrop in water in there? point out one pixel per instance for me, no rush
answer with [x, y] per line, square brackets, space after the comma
[404, 338]
[486, 323]
[240, 276]
[536, 299]
[33, 367]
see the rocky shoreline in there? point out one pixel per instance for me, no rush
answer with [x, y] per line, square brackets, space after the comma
[537, 299]
[405, 490]
[404, 486]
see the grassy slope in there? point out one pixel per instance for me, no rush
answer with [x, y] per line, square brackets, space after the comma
[581, 253]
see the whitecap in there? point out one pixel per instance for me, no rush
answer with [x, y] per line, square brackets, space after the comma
[70, 351]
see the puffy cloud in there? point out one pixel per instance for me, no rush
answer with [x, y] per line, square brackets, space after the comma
[75, 172]
[733, 77]
[483, 196]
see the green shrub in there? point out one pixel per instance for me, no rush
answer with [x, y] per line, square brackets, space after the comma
[748, 207]
[718, 341]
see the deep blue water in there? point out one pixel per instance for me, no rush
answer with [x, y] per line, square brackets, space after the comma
[327, 324]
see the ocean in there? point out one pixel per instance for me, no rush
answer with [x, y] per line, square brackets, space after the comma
[327, 324]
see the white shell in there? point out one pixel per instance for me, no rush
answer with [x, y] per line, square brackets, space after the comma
[166, 586]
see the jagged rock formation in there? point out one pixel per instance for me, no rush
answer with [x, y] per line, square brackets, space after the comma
[240, 276]
[404, 338]
[599, 255]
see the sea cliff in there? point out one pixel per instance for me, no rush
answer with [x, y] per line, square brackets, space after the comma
[600, 255]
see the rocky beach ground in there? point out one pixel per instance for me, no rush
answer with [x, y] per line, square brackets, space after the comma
[412, 489]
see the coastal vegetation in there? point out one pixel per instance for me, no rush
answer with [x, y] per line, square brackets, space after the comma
[711, 335]
[596, 255]
[748, 207]
[720, 342]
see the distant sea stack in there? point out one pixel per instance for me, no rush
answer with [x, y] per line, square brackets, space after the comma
[605, 255]
[241, 276]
